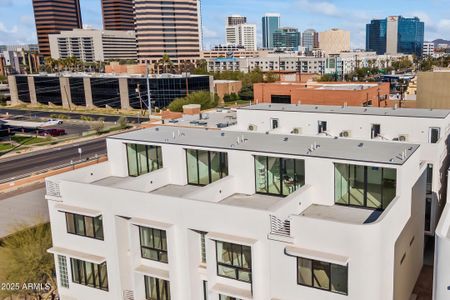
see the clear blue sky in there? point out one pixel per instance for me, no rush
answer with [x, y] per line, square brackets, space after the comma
[17, 24]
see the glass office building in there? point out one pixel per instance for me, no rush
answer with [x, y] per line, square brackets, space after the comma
[409, 39]
[270, 23]
[286, 37]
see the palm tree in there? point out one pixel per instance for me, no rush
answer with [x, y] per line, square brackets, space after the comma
[165, 63]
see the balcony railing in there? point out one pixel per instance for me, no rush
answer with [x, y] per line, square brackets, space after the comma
[280, 227]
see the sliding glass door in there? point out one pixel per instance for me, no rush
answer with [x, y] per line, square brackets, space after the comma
[278, 176]
[205, 167]
[143, 159]
[364, 186]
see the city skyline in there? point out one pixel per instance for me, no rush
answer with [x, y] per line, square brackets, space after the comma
[17, 25]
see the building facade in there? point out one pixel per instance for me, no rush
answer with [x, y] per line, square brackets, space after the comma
[310, 39]
[51, 17]
[236, 20]
[428, 49]
[90, 45]
[118, 15]
[433, 90]
[159, 225]
[170, 28]
[105, 91]
[270, 23]
[242, 35]
[395, 34]
[334, 41]
[286, 38]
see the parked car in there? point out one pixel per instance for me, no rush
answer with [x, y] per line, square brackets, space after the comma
[52, 132]
[56, 121]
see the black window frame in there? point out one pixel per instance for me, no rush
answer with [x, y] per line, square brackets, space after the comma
[159, 252]
[159, 159]
[236, 268]
[158, 281]
[95, 220]
[312, 261]
[322, 126]
[375, 131]
[75, 265]
[223, 162]
[431, 140]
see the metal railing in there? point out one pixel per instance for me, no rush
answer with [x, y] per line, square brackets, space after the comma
[280, 227]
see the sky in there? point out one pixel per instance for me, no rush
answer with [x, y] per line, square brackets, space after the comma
[17, 22]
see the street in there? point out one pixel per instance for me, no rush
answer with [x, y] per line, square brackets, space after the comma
[40, 160]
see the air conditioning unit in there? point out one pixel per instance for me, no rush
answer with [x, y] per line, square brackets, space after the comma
[252, 127]
[297, 130]
[402, 137]
[345, 134]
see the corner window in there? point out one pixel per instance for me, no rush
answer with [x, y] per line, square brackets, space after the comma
[364, 186]
[234, 261]
[85, 226]
[89, 274]
[434, 135]
[143, 159]
[205, 167]
[153, 244]
[278, 176]
[156, 288]
[322, 275]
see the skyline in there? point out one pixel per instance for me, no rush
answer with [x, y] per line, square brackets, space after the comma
[17, 19]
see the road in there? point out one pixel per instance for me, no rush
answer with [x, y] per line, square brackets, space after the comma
[33, 114]
[40, 160]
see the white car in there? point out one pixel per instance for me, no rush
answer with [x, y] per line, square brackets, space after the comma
[55, 121]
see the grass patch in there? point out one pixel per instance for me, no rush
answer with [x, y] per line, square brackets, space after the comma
[5, 147]
[28, 140]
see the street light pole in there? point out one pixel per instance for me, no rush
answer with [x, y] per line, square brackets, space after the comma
[148, 92]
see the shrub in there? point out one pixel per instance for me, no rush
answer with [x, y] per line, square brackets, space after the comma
[205, 99]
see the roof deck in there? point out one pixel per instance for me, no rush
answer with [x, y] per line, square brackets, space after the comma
[353, 110]
[304, 146]
[343, 214]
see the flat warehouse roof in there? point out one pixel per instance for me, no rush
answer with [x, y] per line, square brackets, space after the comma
[353, 110]
[395, 153]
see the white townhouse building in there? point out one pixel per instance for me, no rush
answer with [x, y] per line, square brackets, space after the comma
[428, 128]
[193, 214]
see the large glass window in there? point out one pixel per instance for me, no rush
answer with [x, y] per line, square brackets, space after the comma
[143, 159]
[278, 176]
[89, 274]
[234, 261]
[153, 244]
[364, 186]
[322, 275]
[223, 297]
[156, 289]
[85, 226]
[205, 167]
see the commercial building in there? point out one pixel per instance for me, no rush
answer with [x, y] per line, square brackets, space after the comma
[105, 90]
[395, 34]
[231, 50]
[170, 28]
[310, 39]
[227, 87]
[286, 38]
[334, 41]
[243, 35]
[355, 60]
[236, 20]
[433, 89]
[313, 217]
[51, 17]
[428, 49]
[270, 23]
[118, 15]
[348, 94]
[91, 45]
[19, 61]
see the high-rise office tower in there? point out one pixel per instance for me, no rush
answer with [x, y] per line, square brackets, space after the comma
[118, 14]
[52, 17]
[286, 38]
[395, 34]
[236, 20]
[310, 39]
[334, 41]
[168, 27]
[243, 35]
[270, 23]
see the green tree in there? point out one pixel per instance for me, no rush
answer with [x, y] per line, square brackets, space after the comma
[24, 259]
[205, 99]
[246, 93]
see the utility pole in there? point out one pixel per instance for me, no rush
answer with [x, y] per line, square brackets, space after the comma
[148, 92]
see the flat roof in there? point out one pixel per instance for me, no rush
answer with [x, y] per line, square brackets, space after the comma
[353, 110]
[395, 153]
[109, 75]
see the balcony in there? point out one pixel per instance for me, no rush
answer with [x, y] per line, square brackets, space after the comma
[342, 214]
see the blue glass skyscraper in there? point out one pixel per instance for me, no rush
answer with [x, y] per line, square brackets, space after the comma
[270, 23]
[395, 35]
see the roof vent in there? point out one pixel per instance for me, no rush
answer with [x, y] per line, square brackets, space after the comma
[286, 139]
[360, 145]
[222, 134]
[157, 129]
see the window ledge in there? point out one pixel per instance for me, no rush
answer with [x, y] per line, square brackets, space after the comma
[154, 272]
[232, 291]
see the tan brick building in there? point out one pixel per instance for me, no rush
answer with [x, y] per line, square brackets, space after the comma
[433, 89]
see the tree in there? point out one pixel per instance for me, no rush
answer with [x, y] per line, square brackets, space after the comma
[123, 122]
[207, 100]
[99, 125]
[24, 259]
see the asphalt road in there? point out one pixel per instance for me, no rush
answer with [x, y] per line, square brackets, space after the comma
[76, 116]
[40, 160]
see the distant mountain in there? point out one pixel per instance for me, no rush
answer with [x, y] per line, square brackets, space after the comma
[440, 41]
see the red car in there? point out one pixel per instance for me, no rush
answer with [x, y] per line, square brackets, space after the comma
[52, 132]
